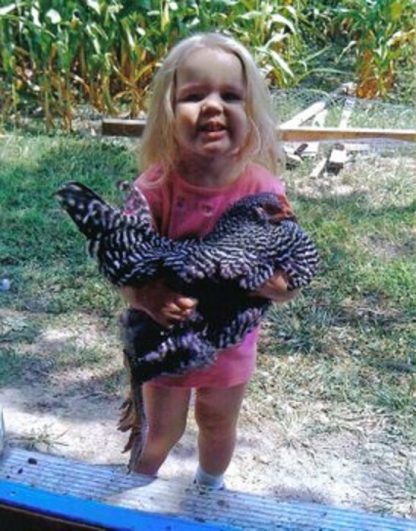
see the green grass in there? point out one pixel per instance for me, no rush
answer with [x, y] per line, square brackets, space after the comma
[340, 359]
[53, 283]
[41, 251]
[348, 343]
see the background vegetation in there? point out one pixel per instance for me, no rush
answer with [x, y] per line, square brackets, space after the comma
[57, 54]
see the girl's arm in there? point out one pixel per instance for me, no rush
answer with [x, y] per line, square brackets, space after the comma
[162, 304]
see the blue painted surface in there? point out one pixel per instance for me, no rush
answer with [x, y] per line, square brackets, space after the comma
[94, 513]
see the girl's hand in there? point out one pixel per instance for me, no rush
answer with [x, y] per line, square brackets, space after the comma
[162, 304]
[275, 289]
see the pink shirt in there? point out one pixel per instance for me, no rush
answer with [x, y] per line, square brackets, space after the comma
[181, 209]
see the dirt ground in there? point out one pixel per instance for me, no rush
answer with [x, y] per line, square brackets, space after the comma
[72, 411]
[84, 427]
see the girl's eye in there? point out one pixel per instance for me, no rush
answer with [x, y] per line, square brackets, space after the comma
[231, 96]
[192, 97]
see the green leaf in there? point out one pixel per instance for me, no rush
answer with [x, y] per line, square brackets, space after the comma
[278, 37]
[250, 15]
[292, 11]
[53, 16]
[7, 9]
[35, 16]
[283, 20]
[93, 4]
[277, 58]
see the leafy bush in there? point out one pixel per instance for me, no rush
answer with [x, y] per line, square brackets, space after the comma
[55, 54]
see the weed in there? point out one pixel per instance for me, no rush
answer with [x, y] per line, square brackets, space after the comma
[42, 440]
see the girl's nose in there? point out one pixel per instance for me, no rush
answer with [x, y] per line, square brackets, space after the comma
[212, 102]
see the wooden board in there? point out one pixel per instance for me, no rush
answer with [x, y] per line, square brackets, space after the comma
[338, 155]
[134, 128]
[305, 115]
[335, 133]
[17, 518]
[313, 147]
[114, 490]
[26, 508]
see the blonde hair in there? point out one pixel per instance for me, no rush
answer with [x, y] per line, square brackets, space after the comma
[158, 142]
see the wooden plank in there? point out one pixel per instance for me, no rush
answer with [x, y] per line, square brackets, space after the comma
[17, 518]
[318, 170]
[313, 147]
[305, 115]
[27, 508]
[113, 489]
[337, 158]
[346, 112]
[317, 107]
[358, 147]
[338, 155]
[292, 159]
[135, 128]
[334, 133]
[119, 127]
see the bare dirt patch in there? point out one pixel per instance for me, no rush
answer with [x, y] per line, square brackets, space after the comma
[66, 408]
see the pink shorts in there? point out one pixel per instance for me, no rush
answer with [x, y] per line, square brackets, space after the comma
[233, 366]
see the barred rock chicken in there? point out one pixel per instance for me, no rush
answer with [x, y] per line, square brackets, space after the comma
[248, 244]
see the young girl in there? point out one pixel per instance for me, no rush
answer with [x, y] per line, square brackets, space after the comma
[210, 139]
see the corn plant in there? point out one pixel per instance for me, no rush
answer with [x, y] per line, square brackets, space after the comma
[57, 54]
[269, 28]
[384, 36]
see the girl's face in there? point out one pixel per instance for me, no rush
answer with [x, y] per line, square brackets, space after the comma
[210, 105]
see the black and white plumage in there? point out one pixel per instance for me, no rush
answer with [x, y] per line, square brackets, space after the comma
[245, 248]
[250, 242]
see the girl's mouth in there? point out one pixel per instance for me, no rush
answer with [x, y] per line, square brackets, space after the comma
[213, 131]
[213, 136]
[212, 127]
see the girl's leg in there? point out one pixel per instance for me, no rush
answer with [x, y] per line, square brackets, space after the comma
[166, 410]
[216, 413]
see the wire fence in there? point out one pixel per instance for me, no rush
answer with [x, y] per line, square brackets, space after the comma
[366, 113]
[375, 114]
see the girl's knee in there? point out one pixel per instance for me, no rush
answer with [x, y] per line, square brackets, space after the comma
[166, 411]
[164, 436]
[218, 410]
[216, 424]
[218, 434]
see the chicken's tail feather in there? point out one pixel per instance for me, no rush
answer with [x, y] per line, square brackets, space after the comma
[87, 210]
[133, 419]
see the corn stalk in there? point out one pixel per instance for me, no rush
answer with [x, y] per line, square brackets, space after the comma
[384, 35]
[57, 54]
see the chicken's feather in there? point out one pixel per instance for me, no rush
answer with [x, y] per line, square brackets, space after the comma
[245, 248]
